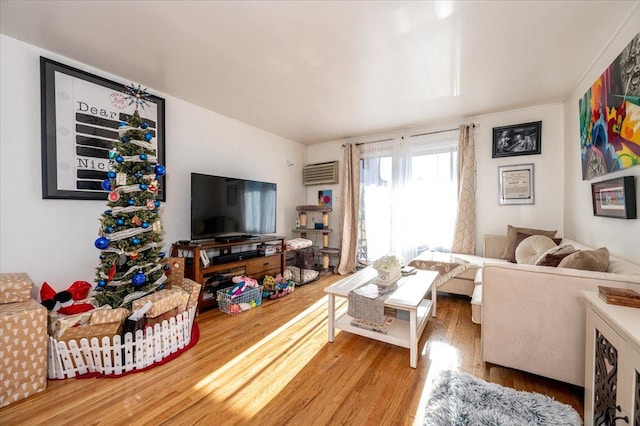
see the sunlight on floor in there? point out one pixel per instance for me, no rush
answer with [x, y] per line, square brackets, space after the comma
[441, 357]
[254, 378]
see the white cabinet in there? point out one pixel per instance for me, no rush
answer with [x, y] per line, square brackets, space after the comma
[612, 367]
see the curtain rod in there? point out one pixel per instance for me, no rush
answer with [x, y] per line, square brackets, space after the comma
[421, 134]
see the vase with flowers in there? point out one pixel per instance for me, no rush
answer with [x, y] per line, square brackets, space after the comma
[388, 267]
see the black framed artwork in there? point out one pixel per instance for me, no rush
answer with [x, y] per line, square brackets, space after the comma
[615, 198]
[518, 139]
[80, 115]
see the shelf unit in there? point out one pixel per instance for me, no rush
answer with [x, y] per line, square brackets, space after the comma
[228, 259]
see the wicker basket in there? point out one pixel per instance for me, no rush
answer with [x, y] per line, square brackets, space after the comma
[232, 305]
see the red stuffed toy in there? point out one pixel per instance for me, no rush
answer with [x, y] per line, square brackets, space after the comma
[64, 301]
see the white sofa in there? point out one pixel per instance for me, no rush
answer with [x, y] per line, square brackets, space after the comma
[533, 317]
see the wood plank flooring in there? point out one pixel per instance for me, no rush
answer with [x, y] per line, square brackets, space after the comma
[274, 366]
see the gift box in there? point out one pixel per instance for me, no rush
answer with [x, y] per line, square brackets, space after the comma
[175, 274]
[15, 287]
[162, 301]
[90, 331]
[23, 350]
[193, 288]
[59, 323]
[107, 316]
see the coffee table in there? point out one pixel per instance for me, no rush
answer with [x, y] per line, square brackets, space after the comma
[408, 297]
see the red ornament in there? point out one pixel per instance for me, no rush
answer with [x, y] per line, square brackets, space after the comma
[136, 220]
[112, 271]
[113, 196]
[133, 255]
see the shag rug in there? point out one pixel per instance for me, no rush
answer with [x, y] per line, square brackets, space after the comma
[459, 398]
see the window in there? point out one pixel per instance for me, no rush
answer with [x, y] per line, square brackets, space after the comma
[408, 195]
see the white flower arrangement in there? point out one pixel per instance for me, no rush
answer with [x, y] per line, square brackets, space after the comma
[388, 262]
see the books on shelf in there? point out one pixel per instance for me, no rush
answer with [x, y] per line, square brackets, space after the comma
[368, 325]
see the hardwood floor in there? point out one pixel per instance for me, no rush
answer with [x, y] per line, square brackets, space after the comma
[274, 366]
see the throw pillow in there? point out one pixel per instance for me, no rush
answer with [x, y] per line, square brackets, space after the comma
[530, 249]
[588, 260]
[553, 256]
[512, 233]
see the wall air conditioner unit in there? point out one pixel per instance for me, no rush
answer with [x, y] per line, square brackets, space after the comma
[320, 173]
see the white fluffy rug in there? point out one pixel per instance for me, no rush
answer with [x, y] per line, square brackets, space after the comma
[462, 399]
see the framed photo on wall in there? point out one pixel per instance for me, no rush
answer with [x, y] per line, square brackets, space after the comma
[80, 115]
[519, 139]
[615, 198]
[516, 184]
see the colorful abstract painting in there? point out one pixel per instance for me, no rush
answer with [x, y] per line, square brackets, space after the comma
[610, 116]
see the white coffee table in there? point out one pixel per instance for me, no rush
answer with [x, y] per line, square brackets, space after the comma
[408, 297]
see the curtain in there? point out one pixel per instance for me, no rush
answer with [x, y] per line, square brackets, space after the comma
[408, 194]
[464, 237]
[350, 209]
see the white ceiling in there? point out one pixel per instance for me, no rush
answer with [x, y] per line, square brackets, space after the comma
[314, 71]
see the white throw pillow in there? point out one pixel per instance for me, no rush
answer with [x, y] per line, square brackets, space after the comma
[530, 249]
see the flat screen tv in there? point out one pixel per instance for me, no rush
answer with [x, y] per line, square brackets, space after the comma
[231, 208]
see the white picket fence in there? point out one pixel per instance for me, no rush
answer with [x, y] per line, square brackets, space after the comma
[112, 356]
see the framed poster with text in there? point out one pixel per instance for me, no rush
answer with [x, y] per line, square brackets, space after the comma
[80, 115]
[516, 184]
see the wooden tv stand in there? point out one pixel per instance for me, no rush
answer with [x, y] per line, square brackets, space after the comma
[228, 259]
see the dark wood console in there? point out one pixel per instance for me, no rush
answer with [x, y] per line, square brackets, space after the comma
[226, 260]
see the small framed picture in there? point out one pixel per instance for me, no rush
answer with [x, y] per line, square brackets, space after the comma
[615, 198]
[519, 139]
[516, 184]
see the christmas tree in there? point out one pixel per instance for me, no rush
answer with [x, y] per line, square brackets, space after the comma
[130, 233]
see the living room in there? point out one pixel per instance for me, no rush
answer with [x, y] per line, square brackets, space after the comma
[52, 240]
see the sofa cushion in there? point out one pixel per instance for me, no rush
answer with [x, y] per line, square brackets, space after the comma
[588, 260]
[554, 256]
[531, 247]
[512, 234]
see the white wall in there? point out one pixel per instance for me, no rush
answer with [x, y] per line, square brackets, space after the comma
[52, 240]
[620, 236]
[546, 213]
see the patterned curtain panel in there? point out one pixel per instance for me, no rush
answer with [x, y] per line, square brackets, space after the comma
[464, 237]
[350, 208]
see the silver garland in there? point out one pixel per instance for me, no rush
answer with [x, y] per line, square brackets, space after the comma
[128, 233]
[138, 250]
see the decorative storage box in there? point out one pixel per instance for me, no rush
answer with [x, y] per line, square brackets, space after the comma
[15, 287]
[387, 278]
[23, 350]
[233, 305]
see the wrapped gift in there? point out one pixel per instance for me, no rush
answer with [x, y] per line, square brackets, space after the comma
[175, 273]
[23, 350]
[162, 301]
[107, 316]
[90, 331]
[15, 287]
[193, 289]
[59, 323]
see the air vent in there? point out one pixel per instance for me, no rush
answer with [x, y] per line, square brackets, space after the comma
[320, 173]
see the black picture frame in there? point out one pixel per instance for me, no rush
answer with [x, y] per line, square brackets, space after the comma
[615, 198]
[517, 139]
[80, 115]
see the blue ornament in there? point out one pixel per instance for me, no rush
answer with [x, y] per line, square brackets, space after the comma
[111, 175]
[112, 154]
[143, 186]
[131, 202]
[108, 229]
[166, 267]
[123, 124]
[135, 241]
[119, 221]
[119, 159]
[143, 157]
[139, 278]
[103, 257]
[160, 170]
[102, 243]
[102, 283]
[138, 175]
[108, 212]
[145, 225]
[161, 254]
[156, 203]
[144, 124]
[125, 139]
[148, 136]
[106, 185]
